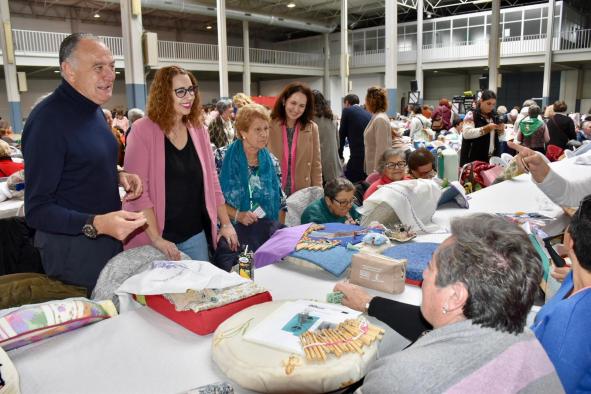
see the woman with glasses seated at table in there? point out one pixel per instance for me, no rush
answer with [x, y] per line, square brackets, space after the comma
[337, 205]
[469, 333]
[420, 164]
[392, 167]
[170, 151]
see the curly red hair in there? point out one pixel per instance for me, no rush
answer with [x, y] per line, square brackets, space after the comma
[161, 102]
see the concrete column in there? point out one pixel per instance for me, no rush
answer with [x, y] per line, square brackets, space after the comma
[548, 54]
[494, 46]
[8, 58]
[135, 81]
[391, 78]
[419, 71]
[222, 47]
[326, 79]
[344, 68]
[246, 54]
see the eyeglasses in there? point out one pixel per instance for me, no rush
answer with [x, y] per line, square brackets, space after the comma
[182, 92]
[398, 164]
[345, 203]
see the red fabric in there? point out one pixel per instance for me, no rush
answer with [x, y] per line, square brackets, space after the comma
[204, 322]
[9, 167]
[471, 172]
[553, 152]
[267, 101]
[384, 180]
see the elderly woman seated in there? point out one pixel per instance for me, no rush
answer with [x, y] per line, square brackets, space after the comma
[337, 205]
[392, 167]
[420, 164]
[7, 166]
[477, 291]
[564, 323]
[250, 178]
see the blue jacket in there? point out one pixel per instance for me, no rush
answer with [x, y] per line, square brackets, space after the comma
[354, 120]
[563, 326]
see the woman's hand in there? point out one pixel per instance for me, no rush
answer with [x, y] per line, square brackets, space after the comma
[354, 296]
[229, 233]
[168, 248]
[247, 218]
[559, 273]
[530, 161]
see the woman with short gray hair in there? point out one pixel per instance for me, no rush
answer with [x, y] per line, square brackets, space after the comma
[391, 167]
[533, 132]
[221, 129]
[337, 205]
[477, 291]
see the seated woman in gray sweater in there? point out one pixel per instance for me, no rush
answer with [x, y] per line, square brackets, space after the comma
[477, 291]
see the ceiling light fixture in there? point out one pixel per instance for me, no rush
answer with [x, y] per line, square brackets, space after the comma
[117, 72]
[291, 4]
[429, 15]
[209, 27]
[96, 15]
[56, 71]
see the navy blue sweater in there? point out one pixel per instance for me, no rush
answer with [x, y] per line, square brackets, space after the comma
[70, 163]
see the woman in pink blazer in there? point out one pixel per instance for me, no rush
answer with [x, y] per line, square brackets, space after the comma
[169, 149]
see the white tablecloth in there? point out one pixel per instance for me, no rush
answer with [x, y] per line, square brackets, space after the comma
[143, 352]
[9, 208]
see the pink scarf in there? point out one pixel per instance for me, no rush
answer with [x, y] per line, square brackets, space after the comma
[285, 158]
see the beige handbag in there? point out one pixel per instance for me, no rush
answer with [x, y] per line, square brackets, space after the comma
[378, 272]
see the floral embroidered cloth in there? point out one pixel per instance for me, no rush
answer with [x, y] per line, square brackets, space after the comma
[201, 300]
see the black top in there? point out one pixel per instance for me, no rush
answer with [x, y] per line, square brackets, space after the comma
[71, 158]
[405, 319]
[561, 129]
[185, 200]
[477, 148]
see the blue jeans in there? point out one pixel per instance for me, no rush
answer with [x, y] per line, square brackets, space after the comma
[195, 247]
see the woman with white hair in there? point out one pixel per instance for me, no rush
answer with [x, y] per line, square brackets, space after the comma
[221, 129]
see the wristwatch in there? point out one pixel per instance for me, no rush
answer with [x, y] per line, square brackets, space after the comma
[88, 229]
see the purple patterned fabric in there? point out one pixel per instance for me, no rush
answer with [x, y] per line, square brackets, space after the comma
[281, 244]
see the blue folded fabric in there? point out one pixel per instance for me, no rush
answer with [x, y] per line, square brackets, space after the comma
[417, 255]
[335, 260]
[330, 228]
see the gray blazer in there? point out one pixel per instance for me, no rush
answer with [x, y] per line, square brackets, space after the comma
[329, 145]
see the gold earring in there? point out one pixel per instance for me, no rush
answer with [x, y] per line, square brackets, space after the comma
[444, 310]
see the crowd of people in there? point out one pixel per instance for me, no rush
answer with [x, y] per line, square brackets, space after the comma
[207, 182]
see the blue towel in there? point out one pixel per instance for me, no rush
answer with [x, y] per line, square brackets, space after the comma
[335, 260]
[339, 227]
[417, 255]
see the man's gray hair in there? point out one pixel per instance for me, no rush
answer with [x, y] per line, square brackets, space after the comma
[528, 102]
[134, 114]
[222, 105]
[68, 45]
[497, 263]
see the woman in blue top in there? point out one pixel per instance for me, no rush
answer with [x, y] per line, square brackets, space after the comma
[563, 325]
[250, 179]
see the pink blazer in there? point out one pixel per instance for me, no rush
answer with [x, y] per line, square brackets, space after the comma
[144, 156]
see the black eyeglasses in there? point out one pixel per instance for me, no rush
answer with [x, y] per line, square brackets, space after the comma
[345, 203]
[398, 164]
[182, 92]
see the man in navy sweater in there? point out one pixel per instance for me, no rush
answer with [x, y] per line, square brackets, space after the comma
[72, 197]
[354, 120]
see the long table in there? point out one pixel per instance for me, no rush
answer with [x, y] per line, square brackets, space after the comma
[142, 352]
[9, 208]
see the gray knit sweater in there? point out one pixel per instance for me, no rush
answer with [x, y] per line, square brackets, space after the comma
[466, 358]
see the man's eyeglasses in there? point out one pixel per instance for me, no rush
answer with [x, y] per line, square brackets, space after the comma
[182, 92]
[345, 203]
[398, 164]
